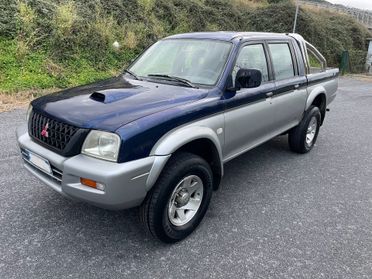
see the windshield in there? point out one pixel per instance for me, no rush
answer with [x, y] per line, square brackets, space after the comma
[197, 61]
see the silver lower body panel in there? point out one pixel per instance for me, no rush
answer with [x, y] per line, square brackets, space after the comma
[125, 183]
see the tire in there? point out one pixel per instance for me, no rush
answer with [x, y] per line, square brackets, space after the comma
[161, 211]
[300, 141]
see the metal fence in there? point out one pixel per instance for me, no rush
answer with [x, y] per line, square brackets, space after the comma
[362, 16]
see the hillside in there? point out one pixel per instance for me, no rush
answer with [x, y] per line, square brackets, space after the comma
[53, 43]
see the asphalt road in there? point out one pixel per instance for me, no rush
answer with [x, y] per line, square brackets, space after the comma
[277, 215]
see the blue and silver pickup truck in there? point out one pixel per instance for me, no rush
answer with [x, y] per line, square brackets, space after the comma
[157, 136]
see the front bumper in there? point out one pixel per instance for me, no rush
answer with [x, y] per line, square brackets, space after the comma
[125, 184]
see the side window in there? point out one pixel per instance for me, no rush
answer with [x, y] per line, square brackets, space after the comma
[316, 65]
[282, 61]
[252, 57]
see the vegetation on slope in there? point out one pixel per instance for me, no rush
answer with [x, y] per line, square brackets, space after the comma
[61, 43]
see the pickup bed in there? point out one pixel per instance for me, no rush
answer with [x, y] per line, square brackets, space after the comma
[158, 135]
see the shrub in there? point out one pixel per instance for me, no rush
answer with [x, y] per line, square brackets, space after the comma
[8, 20]
[68, 42]
[147, 5]
[27, 31]
[357, 60]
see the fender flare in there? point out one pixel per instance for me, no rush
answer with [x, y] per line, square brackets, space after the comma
[174, 140]
[315, 93]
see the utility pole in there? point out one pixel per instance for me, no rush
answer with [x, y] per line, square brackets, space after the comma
[296, 15]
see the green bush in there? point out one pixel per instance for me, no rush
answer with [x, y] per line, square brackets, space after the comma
[357, 60]
[331, 33]
[8, 21]
[61, 43]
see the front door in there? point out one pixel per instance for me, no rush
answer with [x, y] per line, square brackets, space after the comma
[248, 114]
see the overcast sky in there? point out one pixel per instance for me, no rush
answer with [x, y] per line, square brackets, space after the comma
[360, 4]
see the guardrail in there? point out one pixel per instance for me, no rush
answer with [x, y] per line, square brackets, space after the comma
[362, 16]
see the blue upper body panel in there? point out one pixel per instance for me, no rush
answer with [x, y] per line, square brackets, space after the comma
[119, 101]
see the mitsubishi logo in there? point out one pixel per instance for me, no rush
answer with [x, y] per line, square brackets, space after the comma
[44, 132]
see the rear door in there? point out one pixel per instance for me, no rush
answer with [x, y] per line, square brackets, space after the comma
[289, 98]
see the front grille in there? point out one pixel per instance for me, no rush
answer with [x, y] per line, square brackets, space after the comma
[51, 132]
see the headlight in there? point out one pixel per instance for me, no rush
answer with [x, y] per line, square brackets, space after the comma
[102, 145]
[28, 114]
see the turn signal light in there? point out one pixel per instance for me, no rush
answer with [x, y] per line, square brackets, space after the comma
[92, 183]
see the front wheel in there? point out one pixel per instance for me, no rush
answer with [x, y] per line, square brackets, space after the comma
[179, 199]
[303, 137]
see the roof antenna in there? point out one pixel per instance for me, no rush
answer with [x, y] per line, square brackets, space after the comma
[296, 15]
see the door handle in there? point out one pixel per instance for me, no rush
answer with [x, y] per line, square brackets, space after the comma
[269, 94]
[296, 86]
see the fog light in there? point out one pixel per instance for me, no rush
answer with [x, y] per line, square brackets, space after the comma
[92, 183]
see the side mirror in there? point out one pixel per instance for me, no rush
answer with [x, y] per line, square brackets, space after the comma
[248, 78]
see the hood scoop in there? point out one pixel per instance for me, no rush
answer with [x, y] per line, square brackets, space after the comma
[113, 95]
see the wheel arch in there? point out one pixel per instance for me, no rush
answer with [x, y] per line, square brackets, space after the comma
[199, 140]
[318, 98]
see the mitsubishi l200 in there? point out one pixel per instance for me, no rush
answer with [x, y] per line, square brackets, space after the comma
[158, 135]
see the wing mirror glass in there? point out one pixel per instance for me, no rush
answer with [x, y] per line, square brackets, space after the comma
[247, 78]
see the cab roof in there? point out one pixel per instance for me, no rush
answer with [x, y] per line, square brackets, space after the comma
[229, 35]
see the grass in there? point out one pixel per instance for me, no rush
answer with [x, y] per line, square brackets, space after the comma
[22, 73]
[22, 98]
[37, 71]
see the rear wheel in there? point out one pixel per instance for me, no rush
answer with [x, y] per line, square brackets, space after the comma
[179, 200]
[303, 137]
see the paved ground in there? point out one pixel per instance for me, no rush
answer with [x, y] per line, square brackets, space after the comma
[278, 214]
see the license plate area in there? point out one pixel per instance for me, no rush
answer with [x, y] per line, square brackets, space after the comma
[37, 161]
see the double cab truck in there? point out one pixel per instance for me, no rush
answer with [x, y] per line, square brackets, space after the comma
[158, 135]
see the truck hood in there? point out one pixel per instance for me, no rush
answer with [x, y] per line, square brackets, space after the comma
[109, 104]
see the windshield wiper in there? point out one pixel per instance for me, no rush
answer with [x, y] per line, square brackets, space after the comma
[178, 79]
[132, 74]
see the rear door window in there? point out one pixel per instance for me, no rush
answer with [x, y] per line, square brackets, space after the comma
[282, 60]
